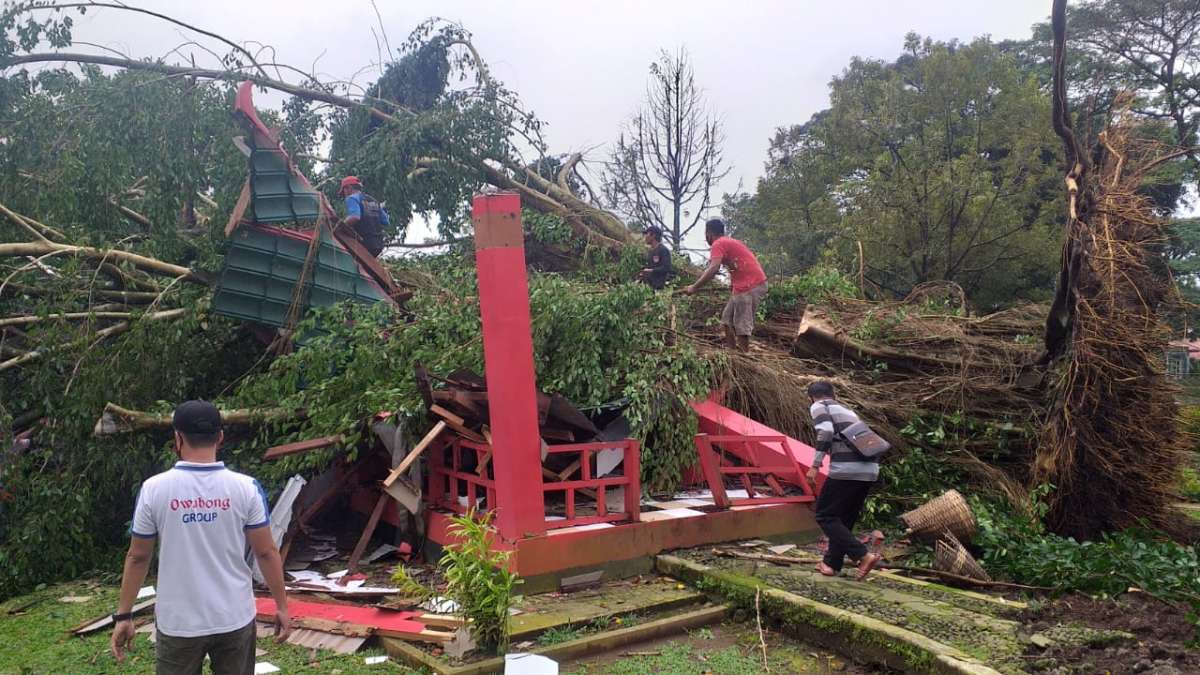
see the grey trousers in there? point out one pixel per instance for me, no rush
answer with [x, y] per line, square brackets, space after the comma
[231, 653]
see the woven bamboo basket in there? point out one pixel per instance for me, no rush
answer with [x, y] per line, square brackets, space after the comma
[949, 555]
[948, 512]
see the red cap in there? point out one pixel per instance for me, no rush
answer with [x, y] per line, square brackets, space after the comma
[347, 182]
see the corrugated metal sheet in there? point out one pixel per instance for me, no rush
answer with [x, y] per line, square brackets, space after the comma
[276, 194]
[340, 644]
[262, 267]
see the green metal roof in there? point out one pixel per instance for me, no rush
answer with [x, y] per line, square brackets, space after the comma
[278, 196]
[262, 269]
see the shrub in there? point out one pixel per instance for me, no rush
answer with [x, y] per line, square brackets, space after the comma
[477, 578]
[1018, 547]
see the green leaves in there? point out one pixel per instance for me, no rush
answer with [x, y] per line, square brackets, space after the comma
[593, 344]
[478, 579]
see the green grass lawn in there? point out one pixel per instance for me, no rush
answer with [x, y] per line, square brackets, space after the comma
[36, 640]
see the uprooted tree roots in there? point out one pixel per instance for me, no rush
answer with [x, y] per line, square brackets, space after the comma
[1110, 444]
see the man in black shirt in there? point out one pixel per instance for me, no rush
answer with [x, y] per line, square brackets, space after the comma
[658, 260]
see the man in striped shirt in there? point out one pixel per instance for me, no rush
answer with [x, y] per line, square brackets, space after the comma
[851, 476]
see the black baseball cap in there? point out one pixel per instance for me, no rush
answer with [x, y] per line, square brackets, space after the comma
[196, 417]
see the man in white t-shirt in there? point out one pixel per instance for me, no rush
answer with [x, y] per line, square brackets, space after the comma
[204, 515]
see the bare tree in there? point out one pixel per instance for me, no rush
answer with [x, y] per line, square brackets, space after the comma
[669, 157]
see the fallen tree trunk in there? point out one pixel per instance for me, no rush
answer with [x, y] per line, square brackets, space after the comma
[602, 227]
[41, 248]
[71, 316]
[821, 340]
[118, 420]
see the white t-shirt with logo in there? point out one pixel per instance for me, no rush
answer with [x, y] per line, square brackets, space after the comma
[199, 513]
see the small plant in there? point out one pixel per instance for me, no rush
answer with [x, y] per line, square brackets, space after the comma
[478, 579]
[410, 587]
[560, 634]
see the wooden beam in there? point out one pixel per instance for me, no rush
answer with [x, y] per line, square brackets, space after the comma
[571, 468]
[456, 423]
[298, 447]
[441, 620]
[484, 461]
[369, 530]
[93, 625]
[415, 453]
[239, 209]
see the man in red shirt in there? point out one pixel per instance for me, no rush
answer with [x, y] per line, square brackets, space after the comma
[746, 276]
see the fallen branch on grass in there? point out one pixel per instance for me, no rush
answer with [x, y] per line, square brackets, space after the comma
[961, 579]
[776, 559]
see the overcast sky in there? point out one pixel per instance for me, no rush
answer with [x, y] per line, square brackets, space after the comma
[582, 66]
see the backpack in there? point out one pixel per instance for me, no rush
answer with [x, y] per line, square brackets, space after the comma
[370, 224]
[860, 437]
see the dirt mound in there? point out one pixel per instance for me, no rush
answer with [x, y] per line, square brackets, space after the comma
[1165, 639]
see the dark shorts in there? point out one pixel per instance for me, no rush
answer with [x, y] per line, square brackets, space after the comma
[739, 311]
[230, 653]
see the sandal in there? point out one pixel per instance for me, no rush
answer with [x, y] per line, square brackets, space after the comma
[826, 570]
[869, 561]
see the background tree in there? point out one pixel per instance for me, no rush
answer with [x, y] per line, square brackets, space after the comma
[669, 157]
[939, 165]
[791, 217]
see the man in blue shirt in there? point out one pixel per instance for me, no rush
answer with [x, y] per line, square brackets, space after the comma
[365, 214]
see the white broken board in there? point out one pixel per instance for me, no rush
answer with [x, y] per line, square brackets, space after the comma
[281, 518]
[529, 664]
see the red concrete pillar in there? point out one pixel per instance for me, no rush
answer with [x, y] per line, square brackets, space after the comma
[508, 363]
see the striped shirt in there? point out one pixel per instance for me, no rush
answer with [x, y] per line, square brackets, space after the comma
[830, 417]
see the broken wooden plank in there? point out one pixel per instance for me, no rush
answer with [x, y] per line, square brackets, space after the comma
[92, 625]
[456, 423]
[581, 582]
[450, 417]
[547, 473]
[298, 447]
[571, 468]
[427, 635]
[239, 209]
[556, 434]
[415, 453]
[484, 461]
[367, 532]
[327, 626]
[404, 625]
[441, 620]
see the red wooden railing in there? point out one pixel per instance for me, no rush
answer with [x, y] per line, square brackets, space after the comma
[770, 466]
[446, 482]
[630, 480]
